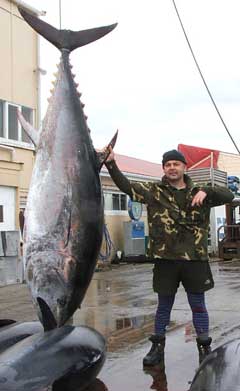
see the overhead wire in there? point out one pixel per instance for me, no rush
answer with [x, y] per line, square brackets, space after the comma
[203, 79]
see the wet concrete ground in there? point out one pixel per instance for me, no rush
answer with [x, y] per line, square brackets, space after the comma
[121, 305]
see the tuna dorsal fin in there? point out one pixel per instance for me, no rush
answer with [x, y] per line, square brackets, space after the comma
[65, 39]
[48, 320]
[102, 156]
[29, 129]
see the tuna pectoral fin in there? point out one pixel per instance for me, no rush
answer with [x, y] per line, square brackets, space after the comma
[29, 129]
[65, 39]
[6, 322]
[102, 156]
[48, 320]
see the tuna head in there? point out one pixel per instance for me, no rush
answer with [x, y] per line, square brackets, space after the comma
[54, 287]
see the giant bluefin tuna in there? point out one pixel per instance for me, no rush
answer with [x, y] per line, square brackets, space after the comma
[64, 213]
[220, 371]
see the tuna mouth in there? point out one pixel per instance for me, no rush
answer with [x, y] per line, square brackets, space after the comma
[48, 320]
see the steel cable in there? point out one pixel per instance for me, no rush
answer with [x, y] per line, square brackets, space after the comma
[200, 72]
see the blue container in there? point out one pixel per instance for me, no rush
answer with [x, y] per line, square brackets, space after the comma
[138, 229]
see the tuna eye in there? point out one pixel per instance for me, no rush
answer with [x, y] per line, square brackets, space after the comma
[62, 301]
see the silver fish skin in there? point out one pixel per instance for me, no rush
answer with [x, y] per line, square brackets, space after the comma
[64, 214]
[11, 334]
[219, 371]
[69, 358]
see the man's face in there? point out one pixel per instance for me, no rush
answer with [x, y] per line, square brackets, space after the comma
[174, 170]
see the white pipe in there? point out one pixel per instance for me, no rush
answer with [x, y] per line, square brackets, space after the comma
[39, 81]
[11, 149]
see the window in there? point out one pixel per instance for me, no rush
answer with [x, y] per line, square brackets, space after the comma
[1, 213]
[123, 202]
[28, 115]
[1, 118]
[115, 201]
[12, 122]
[10, 127]
[119, 201]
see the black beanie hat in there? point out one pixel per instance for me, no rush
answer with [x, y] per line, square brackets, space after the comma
[173, 155]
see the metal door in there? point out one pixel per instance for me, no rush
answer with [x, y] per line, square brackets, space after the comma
[7, 208]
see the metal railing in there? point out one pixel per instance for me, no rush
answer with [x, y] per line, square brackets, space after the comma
[231, 233]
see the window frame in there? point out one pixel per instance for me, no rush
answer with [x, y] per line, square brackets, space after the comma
[5, 139]
[116, 211]
[119, 196]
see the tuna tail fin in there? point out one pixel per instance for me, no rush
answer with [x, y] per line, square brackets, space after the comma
[48, 320]
[65, 39]
[102, 156]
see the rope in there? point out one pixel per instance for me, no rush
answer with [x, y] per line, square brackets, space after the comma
[108, 245]
[200, 72]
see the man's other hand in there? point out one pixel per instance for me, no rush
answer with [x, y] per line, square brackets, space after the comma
[199, 198]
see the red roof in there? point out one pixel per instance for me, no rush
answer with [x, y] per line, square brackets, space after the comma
[132, 165]
[197, 157]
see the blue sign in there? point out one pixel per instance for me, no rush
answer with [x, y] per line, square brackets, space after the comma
[134, 210]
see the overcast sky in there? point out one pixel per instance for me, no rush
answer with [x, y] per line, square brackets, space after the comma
[141, 78]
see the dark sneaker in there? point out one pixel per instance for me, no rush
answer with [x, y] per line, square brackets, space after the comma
[155, 355]
[204, 348]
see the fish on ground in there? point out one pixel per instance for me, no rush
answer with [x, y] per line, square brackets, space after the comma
[220, 369]
[67, 358]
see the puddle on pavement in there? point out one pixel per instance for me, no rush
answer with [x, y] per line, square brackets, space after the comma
[109, 303]
[117, 330]
[123, 312]
[229, 269]
[97, 385]
[159, 379]
[124, 370]
[127, 335]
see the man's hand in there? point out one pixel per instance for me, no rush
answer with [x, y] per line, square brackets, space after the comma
[199, 198]
[111, 156]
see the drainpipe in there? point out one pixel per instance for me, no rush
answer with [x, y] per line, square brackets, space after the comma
[38, 85]
[11, 149]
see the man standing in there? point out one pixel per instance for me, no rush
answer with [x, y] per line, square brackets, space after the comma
[178, 218]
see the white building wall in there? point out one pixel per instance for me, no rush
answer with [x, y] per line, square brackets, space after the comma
[230, 163]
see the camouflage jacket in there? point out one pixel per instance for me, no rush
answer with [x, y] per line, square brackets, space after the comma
[175, 232]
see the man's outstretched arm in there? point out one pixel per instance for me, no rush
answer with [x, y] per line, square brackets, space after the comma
[117, 176]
